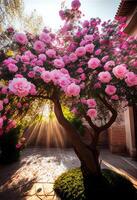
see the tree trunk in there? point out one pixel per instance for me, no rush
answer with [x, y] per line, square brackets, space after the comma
[87, 154]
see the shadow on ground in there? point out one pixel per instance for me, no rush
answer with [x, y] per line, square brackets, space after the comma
[17, 192]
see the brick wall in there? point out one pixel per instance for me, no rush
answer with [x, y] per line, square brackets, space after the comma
[117, 135]
[117, 138]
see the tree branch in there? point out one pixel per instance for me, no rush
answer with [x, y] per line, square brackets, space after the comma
[85, 154]
[113, 117]
[91, 123]
[40, 96]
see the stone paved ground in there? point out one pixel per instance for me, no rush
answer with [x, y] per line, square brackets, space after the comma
[32, 178]
[121, 164]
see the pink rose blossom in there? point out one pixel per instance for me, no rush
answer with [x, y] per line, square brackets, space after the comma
[83, 43]
[38, 69]
[9, 60]
[62, 14]
[31, 74]
[104, 77]
[97, 85]
[32, 89]
[91, 103]
[74, 110]
[131, 79]
[80, 70]
[4, 90]
[25, 58]
[73, 57]
[104, 59]
[98, 52]
[10, 29]
[73, 90]
[120, 71]
[85, 24]
[19, 105]
[66, 59]
[80, 51]
[83, 100]
[64, 71]
[84, 31]
[75, 4]
[110, 90]
[92, 113]
[88, 38]
[93, 63]
[109, 64]
[12, 67]
[4, 117]
[18, 76]
[1, 122]
[59, 63]
[83, 76]
[20, 87]
[42, 57]
[90, 48]
[29, 54]
[51, 53]
[114, 97]
[64, 82]
[39, 62]
[21, 38]
[46, 76]
[39, 46]
[18, 146]
[45, 37]
[6, 101]
[55, 76]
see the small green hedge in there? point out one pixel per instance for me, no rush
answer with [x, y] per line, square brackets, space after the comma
[70, 186]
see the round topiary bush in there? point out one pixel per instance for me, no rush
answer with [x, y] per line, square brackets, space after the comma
[71, 186]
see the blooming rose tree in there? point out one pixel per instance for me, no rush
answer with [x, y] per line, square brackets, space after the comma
[88, 66]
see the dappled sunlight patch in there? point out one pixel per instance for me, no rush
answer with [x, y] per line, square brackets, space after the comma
[43, 165]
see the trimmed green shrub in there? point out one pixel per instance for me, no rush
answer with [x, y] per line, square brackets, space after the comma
[72, 186]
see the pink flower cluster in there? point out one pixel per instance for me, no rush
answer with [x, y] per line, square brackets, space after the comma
[131, 79]
[104, 77]
[59, 63]
[21, 38]
[62, 79]
[94, 63]
[75, 4]
[110, 90]
[73, 90]
[92, 113]
[21, 87]
[91, 103]
[120, 71]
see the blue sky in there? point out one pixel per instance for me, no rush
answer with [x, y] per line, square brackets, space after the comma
[48, 9]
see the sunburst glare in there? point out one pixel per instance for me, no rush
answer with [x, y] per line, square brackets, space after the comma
[46, 131]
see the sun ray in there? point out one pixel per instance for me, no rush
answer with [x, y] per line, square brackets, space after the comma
[46, 131]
